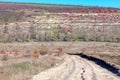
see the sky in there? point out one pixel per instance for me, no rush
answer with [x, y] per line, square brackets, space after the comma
[104, 3]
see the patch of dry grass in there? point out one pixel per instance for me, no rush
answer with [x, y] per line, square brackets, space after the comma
[25, 70]
[108, 58]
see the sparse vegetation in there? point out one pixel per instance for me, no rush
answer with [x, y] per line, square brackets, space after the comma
[25, 70]
[21, 24]
[24, 26]
[21, 62]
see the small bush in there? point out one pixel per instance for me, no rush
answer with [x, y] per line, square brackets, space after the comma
[36, 54]
[43, 52]
[2, 52]
[5, 57]
[16, 52]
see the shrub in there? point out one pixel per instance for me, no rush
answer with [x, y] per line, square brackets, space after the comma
[26, 54]
[43, 52]
[5, 57]
[60, 50]
[118, 39]
[16, 52]
[2, 51]
[36, 54]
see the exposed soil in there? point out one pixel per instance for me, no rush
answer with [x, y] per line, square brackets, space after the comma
[76, 68]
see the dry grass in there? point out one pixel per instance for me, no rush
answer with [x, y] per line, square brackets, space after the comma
[25, 60]
[25, 70]
[109, 52]
[108, 58]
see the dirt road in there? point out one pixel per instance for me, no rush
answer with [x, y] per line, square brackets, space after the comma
[76, 68]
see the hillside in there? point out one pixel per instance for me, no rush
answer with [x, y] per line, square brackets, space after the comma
[33, 22]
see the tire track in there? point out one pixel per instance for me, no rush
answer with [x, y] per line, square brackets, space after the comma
[74, 62]
[97, 71]
[76, 68]
[82, 74]
[81, 68]
[67, 77]
[92, 69]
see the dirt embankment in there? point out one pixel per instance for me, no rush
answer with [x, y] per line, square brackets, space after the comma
[107, 52]
[110, 67]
